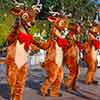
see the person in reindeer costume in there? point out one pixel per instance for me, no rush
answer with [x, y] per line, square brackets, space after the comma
[54, 57]
[70, 46]
[90, 47]
[71, 55]
[19, 45]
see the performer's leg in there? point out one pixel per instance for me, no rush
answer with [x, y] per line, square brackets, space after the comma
[11, 78]
[20, 83]
[91, 73]
[52, 74]
[57, 83]
[70, 82]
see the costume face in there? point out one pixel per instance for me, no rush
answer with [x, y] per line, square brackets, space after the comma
[26, 15]
[59, 25]
[75, 28]
[95, 30]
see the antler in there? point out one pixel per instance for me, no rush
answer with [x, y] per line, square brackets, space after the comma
[18, 4]
[69, 15]
[38, 6]
[53, 12]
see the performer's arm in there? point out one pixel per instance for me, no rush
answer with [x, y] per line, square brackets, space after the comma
[43, 45]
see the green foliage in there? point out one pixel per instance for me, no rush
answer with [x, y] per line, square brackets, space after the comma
[39, 26]
[46, 4]
[5, 27]
[80, 8]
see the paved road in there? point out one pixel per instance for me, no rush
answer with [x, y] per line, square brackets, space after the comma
[34, 80]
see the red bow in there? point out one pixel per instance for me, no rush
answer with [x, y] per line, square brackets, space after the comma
[79, 45]
[96, 43]
[71, 35]
[25, 38]
[62, 42]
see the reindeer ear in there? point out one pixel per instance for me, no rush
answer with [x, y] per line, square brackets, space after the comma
[16, 11]
[52, 19]
[64, 17]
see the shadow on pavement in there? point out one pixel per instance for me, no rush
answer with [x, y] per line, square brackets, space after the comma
[93, 94]
[4, 91]
[79, 94]
[34, 85]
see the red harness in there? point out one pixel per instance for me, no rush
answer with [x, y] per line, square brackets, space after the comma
[71, 34]
[25, 38]
[62, 42]
[96, 43]
[79, 45]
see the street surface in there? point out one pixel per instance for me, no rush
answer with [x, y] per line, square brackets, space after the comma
[35, 78]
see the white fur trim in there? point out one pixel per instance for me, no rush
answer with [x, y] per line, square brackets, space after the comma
[94, 53]
[59, 55]
[20, 55]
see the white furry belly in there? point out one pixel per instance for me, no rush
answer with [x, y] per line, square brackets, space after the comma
[20, 55]
[94, 53]
[59, 55]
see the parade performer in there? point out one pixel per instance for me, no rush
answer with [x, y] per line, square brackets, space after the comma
[54, 57]
[71, 56]
[90, 47]
[20, 43]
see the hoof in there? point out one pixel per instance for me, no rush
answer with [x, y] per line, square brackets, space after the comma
[75, 88]
[92, 82]
[66, 87]
[60, 94]
[95, 82]
[43, 94]
[72, 88]
[56, 95]
[88, 83]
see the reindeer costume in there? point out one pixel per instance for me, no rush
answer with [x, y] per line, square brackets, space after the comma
[70, 49]
[90, 47]
[19, 45]
[71, 56]
[54, 58]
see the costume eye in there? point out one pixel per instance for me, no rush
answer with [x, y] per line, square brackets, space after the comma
[61, 23]
[94, 29]
[98, 37]
[25, 16]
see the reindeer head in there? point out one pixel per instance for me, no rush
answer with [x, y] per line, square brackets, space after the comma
[26, 15]
[58, 22]
[94, 29]
[75, 28]
[94, 35]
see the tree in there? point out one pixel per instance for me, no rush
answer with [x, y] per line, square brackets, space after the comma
[80, 8]
[46, 4]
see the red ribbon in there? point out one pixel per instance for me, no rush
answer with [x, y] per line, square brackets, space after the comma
[79, 45]
[62, 42]
[25, 38]
[71, 34]
[96, 43]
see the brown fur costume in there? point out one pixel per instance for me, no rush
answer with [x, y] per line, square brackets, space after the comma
[51, 65]
[54, 71]
[71, 57]
[90, 53]
[16, 76]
